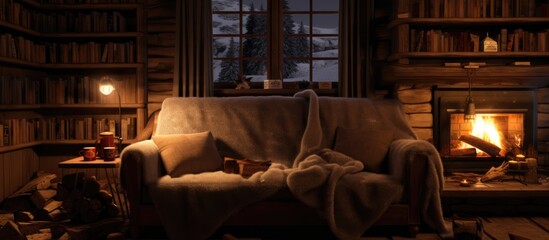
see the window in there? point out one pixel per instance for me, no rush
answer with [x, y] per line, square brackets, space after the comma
[295, 39]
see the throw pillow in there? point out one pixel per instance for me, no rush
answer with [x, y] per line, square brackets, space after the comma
[367, 146]
[188, 153]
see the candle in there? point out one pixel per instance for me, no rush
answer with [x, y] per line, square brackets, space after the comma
[465, 183]
[513, 165]
[520, 157]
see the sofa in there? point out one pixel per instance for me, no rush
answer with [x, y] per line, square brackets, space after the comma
[346, 163]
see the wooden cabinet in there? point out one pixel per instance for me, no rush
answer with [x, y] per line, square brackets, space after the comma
[53, 55]
[427, 35]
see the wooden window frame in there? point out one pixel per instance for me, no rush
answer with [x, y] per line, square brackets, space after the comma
[274, 59]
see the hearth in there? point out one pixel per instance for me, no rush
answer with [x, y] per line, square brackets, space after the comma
[504, 118]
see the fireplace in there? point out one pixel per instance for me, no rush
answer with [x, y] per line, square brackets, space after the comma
[504, 118]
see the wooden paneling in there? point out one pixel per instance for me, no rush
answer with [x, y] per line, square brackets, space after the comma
[17, 168]
[161, 41]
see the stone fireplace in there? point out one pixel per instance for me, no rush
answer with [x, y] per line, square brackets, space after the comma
[504, 118]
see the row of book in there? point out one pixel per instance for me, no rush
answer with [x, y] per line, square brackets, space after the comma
[21, 131]
[476, 8]
[21, 48]
[64, 90]
[64, 21]
[518, 40]
[89, 1]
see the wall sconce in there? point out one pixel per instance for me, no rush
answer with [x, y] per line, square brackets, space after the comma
[106, 87]
[469, 104]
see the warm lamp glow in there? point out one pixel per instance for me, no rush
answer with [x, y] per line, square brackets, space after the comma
[106, 87]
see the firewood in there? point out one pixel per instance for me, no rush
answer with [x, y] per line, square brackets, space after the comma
[23, 216]
[39, 183]
[95, 204]
[464, 152]
[97, 230]
[74, 180]
[27, 228]
[495, 173]
[479, 143]
[111, 210]
[52, 205]
[105, 197]
[90, 187]
[56, 215]
[11, 231]
[40, 197]
[6, 217]
[90, 216]
[57, 231]
[63, 192]
[68, 204]
[20, 202]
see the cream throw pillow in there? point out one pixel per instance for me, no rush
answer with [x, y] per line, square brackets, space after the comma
[188, 153]
[367, 146]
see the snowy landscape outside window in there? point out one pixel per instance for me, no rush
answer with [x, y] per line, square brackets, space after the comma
[245, 33]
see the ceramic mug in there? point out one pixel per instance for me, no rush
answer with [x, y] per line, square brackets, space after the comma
[109, 153]
[88, 153]
[106, 139]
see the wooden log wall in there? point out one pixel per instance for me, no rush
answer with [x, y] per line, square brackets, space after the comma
[160, 51]
[417, 104]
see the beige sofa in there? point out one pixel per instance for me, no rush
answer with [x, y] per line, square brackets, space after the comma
[280, 129]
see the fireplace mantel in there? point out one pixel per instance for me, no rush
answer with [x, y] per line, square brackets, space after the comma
[487, 76]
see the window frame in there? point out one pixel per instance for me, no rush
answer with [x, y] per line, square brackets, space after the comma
[274, 59]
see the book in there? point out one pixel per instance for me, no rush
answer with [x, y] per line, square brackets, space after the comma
[452, 64]
[521, 63]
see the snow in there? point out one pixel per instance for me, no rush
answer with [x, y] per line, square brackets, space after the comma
[324, 47]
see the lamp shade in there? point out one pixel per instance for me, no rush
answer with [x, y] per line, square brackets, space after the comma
[106, 87]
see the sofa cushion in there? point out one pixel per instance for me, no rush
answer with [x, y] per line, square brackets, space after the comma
[369, 146]
[188, 153]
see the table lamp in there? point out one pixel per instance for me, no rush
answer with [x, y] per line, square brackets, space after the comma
[106, 87]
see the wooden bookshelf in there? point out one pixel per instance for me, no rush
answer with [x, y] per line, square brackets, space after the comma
[426, 34]
[60, 41]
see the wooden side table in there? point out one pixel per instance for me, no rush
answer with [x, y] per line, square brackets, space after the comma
[109, 168]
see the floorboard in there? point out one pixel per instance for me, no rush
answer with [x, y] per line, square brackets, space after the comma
[500, 228]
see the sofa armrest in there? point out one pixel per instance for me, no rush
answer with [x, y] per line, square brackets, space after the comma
[141, 165]
[408, 164]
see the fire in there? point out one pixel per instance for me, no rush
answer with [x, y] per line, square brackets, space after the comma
[484, 127]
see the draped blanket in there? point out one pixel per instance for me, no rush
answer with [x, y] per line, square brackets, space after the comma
[193, 206]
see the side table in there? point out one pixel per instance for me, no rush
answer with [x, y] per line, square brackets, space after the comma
[109, 168]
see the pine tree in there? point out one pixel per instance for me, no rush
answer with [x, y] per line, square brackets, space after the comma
[255, 46]
[229, 68]
[290, 67]
[302, 44]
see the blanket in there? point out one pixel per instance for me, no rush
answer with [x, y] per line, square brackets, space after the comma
[336, 187]
[349, 199]
[194, 206]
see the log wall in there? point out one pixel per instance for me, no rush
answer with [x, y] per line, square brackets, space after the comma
[160, 51]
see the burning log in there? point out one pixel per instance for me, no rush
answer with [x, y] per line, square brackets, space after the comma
[479, 143]
[470, 152]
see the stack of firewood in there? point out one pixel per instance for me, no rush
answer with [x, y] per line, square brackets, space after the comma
[83, 198]
[75, 208]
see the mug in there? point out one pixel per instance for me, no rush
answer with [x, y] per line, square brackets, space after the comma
[109, 153]
[88, 153]
[106, 139]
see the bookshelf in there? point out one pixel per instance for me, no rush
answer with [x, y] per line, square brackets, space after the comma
[53, 55]
[427, 34]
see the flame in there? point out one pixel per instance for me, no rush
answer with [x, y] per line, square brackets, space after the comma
[484, 127]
